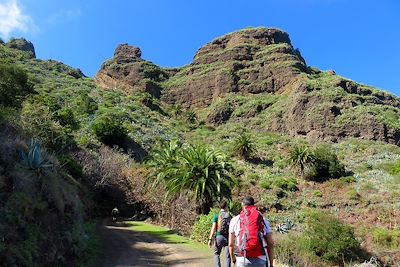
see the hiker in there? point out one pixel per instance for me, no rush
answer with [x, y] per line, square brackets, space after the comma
[249, 235]
[219, 233]
[114, 214]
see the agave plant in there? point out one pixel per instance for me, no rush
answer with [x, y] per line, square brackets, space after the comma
[35, 158]
[284, 228]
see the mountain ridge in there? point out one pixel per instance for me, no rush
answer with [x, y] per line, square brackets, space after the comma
[255, 62]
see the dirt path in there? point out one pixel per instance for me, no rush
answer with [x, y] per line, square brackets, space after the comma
[126, 248]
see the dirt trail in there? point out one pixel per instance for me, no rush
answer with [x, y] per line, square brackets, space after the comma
[126, 248]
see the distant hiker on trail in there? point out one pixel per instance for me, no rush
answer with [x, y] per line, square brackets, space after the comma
[249, 235]
[219, 232]
[114, 214]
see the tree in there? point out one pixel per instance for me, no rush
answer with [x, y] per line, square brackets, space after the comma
[243, 145]
[301, 156]
[196, 170]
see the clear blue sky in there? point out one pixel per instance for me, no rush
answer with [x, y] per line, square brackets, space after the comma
[359, 39]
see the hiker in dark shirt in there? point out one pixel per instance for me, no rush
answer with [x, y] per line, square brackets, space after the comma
[219, 233]
[114, 214]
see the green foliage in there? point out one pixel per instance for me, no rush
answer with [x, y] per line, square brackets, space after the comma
[353, 194]
[328, 238]
[191, 116]
[201, 228]
[386, 238]
[38, 121]
[300, 157]
[235, 207]
[66, 117]
[326, 165]
[266, 183]
[201, 172]
[71, 166]
[317, 193]
[109, 130]
[289, 184]
[243, 145]
[14, 85]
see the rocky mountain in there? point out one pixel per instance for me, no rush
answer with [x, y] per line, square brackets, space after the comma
[231, 72]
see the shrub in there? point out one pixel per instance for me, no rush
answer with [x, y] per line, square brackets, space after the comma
[66, 117]
[71, 166]
[109, 130]
[289, 184]
[201, 229]
[14, 85]
[328, 238]
[266, 184]
[326, 165]
[386, 238]
[38, 121]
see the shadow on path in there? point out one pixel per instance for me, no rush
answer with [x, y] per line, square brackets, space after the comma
[126, 248]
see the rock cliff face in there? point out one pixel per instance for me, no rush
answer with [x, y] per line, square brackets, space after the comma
[23, 45]
[259, 64]
[127, 71]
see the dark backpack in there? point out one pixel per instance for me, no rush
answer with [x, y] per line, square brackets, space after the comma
[251, 233]
[224, 218]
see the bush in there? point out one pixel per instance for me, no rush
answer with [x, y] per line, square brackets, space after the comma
[328, 238]
[14, 85]
[71, 166]
[38, 121]
[386, 238]
[326, 165]
[201, 229]
[66, 118]
[109, 130]
[288, 184]
[266, 184]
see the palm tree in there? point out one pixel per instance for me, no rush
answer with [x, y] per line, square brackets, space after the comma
[199, 172]
[164, 161]
[301, 156]
[243, 145]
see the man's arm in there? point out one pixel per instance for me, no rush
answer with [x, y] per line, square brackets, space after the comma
[269, 241]
[270, 248]
[212, 234]
[231, 246]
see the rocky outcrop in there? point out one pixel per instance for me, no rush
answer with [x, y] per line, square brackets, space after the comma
[127, 71]
[249, 61]
[261, 62]
[23, 45]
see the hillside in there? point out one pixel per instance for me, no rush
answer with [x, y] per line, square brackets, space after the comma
[257, 77]
[107, 137]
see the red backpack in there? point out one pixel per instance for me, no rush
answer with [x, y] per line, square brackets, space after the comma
[251, 233]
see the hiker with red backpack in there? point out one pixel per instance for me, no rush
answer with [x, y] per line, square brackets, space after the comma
[219, 233]
[249, 237]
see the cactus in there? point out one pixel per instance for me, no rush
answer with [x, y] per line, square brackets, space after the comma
[35, 158]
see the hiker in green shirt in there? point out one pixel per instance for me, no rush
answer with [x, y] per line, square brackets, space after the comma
[219, 233]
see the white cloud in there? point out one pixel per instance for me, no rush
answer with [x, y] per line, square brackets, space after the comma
[65, 15]
[12, 18]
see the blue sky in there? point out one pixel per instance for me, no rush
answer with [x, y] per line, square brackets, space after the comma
[359, 39]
